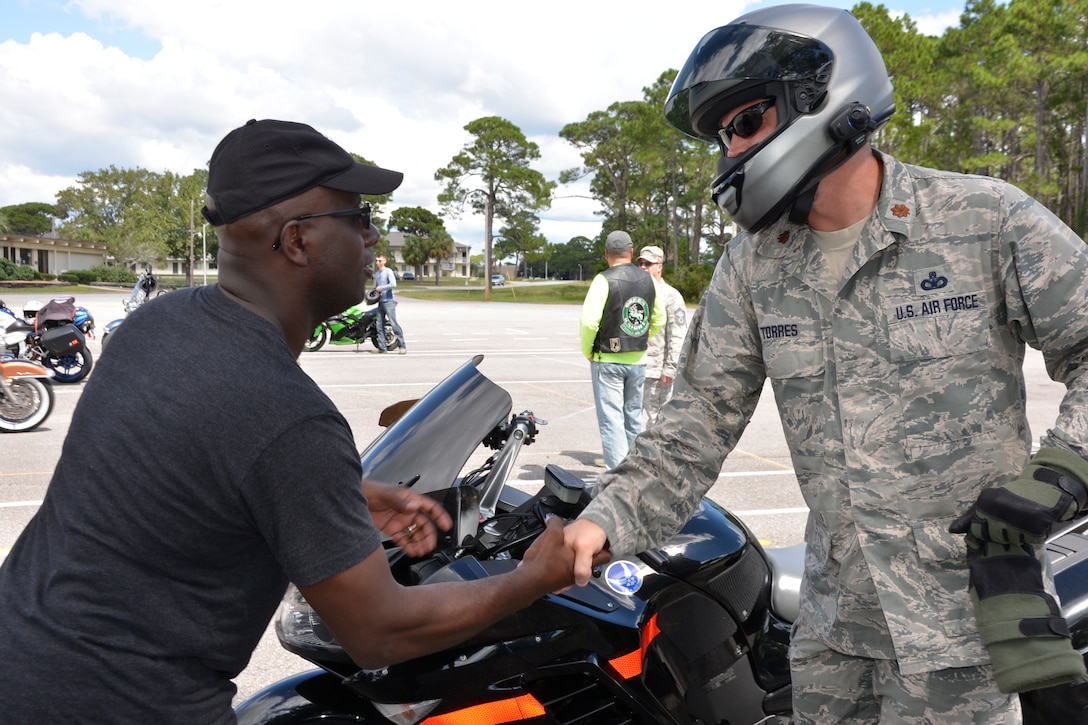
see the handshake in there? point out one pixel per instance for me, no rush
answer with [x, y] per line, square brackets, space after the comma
[1019, 622]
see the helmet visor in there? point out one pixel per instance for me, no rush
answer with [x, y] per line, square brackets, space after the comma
[735, 57]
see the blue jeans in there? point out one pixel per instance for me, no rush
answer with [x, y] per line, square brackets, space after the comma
[617, 393]
[388, 308]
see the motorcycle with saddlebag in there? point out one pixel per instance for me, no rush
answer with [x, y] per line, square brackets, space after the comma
[53, 337]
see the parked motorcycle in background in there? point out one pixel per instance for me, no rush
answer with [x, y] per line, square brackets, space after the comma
[353, 326]
[81, 317]
[147, 286]
[26, 395]
[694, 633]
[54, 334]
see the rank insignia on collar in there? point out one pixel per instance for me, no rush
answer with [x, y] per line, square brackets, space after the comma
[783, 237]
[901, 210]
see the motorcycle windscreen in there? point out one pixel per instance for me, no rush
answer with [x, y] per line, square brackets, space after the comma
[429, 445]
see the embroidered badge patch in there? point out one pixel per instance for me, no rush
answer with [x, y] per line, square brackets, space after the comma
[934, 282]
[636, 317]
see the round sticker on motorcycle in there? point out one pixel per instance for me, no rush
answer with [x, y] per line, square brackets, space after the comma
[623, 577]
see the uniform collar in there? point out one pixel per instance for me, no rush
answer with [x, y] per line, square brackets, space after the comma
[897, 206]
[894, 215]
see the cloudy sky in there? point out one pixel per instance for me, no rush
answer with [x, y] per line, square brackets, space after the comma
[86, 84]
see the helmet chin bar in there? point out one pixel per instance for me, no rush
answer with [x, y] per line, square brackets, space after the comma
[850, 129]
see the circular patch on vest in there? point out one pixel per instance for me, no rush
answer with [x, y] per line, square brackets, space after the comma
[636, 317]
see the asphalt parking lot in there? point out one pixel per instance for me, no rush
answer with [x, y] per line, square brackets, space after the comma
[530, 350]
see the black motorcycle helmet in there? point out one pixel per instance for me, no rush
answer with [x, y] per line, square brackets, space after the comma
[827, 81]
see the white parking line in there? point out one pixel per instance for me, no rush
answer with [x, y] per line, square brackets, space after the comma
[735, 474]
[429, 385]
[771, 512]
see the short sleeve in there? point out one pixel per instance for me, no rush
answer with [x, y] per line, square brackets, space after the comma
[306, 501]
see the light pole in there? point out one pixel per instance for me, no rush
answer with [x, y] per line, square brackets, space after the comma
[204, 250]
[192, 233]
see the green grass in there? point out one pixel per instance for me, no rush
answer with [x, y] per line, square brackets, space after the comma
[52, 289]
[566, 293]
[557, 294]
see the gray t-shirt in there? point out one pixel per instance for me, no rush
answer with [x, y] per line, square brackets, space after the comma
[202, 471]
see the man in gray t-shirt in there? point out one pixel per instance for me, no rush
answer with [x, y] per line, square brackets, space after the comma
[203, 470]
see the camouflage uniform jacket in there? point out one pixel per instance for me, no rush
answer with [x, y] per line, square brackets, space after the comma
[664, 350]
[900, 391]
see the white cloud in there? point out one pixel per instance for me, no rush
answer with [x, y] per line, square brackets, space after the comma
[936, 23]
[395, 82]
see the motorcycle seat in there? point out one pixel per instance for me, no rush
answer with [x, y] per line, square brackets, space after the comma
[58, 311]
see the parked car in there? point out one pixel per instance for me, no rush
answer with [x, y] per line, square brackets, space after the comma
[408, 276]
[498, 280]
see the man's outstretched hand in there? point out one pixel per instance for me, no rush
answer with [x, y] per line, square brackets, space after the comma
[588, 541]
[406, 517]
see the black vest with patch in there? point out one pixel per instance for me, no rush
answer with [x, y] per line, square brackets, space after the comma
[625, 322]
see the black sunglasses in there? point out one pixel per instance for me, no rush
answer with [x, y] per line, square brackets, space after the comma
[362, 212]
[745, 123]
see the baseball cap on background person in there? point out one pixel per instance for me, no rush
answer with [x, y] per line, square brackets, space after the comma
[266, 162]
[618, 241]
[653, 255]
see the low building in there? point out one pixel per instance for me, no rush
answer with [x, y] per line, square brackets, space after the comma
[457, 265]
[53, 256]
[49, 255]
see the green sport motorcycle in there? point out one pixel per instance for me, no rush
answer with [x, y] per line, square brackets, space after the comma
[353, 326]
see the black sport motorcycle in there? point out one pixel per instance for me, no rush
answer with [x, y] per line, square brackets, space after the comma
[694, 632]
[353, 326]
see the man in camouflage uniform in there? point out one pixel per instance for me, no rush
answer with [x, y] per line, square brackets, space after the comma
[890, 310]
[663, 351]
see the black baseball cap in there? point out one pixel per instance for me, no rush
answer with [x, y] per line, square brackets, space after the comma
[266, 162]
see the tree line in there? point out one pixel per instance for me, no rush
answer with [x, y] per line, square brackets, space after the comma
[1004, 93]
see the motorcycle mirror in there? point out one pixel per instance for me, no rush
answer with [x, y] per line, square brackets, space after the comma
[394, 412]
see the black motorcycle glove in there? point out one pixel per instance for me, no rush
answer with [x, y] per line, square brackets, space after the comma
[1051, 489]
[1019, 623]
